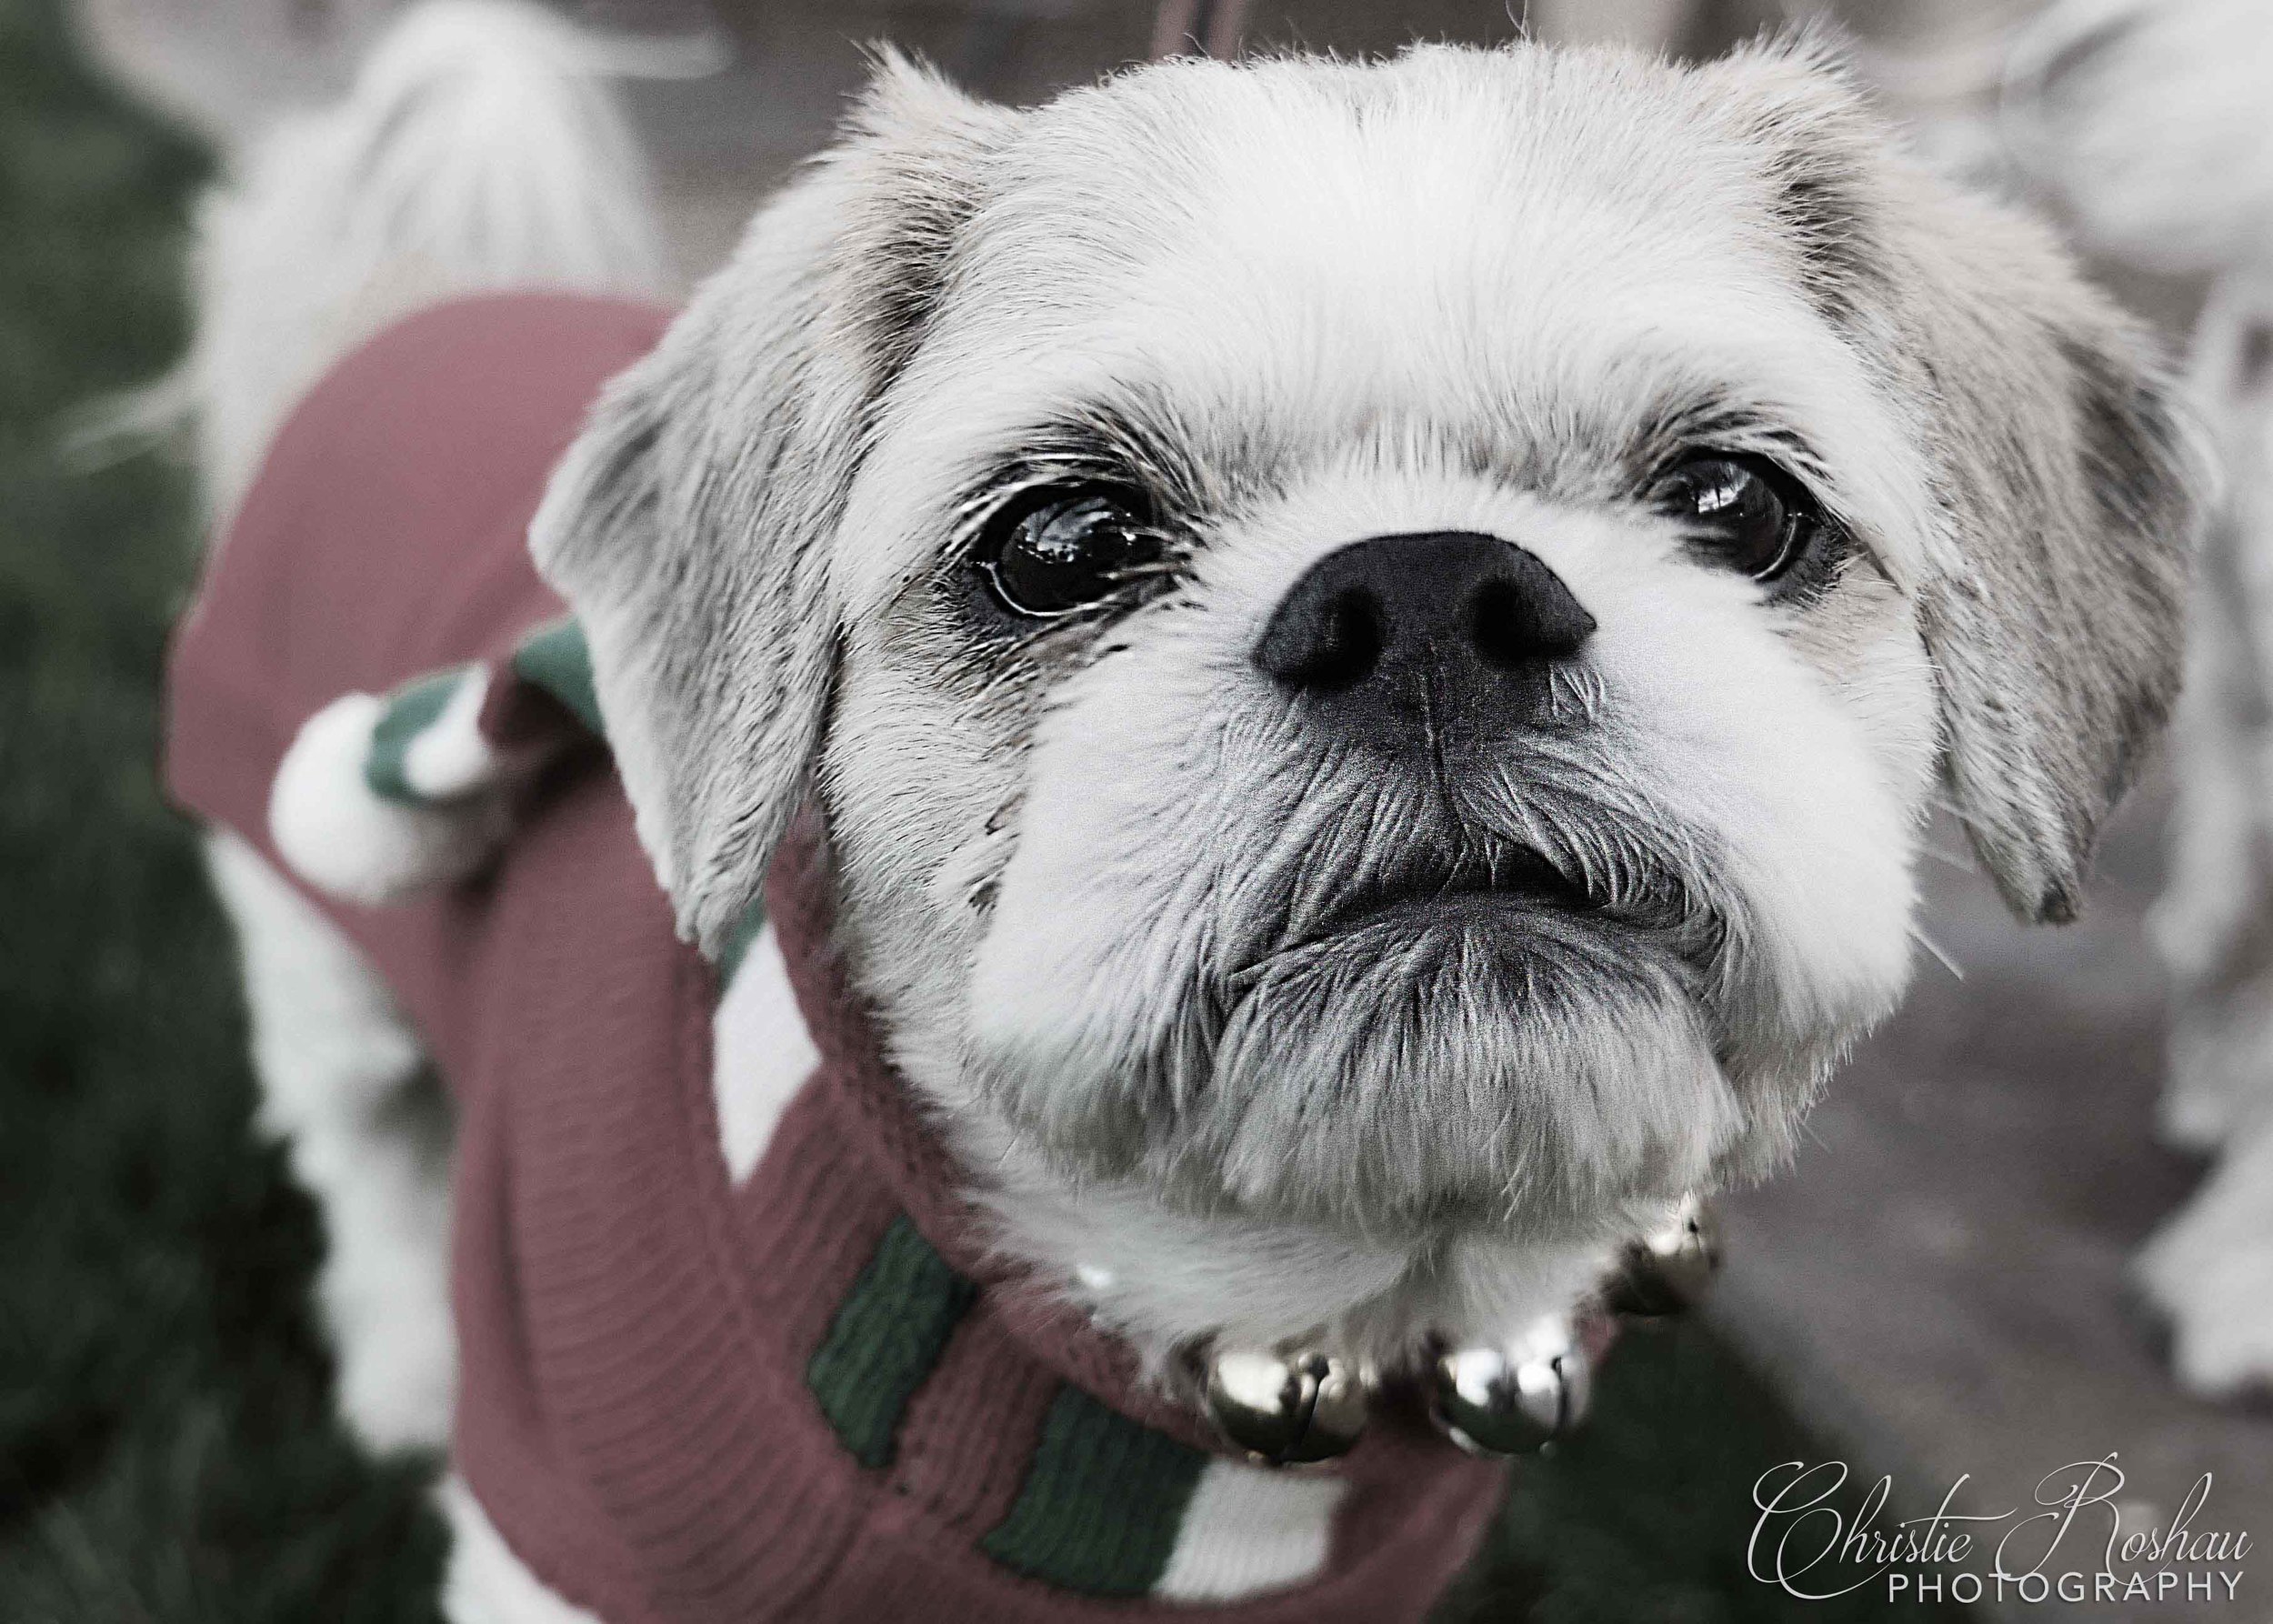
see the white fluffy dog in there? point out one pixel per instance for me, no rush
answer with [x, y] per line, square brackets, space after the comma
[1370, 640]
[2154, 119]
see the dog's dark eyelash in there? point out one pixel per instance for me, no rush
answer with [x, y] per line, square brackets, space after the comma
[977, 507]
[973, 573]
[1711, 426]
[1169, 565]
[1100, 446]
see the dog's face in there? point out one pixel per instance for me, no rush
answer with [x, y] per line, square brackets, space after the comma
[1373, 640]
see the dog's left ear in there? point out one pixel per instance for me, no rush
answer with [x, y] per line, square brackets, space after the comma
[2073, 484]
[2053, 606]
[690, 526]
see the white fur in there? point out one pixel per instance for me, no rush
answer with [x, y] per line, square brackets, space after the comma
[762, 1054]
[2209, 1271]
[1809, 791]
[1154, 1275]
[478, 149]
[449, 757]
[340, 1072]
[1342, 275]
[343, 837]
[486, 1582]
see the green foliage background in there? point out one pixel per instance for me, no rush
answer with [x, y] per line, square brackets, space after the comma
[168, 1451]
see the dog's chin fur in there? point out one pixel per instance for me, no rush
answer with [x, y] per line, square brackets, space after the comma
[1345, 1081]
[1173, 965]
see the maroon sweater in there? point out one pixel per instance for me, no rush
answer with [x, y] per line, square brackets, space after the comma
[811, 1396]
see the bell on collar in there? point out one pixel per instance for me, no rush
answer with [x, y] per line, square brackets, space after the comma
[1668, 1270]
[1285, 1406]
[1513, 1400]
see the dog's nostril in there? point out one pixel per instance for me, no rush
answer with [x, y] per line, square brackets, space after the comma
[1336, 645]
[1493, 614]
[1513, 623]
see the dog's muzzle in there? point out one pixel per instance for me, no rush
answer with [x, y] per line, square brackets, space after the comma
[1429, 654]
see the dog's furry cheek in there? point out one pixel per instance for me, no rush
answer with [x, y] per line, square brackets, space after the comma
[1111, 898]
[1862, 640]
[923, 783]
[1811, 785]
[1862, 644]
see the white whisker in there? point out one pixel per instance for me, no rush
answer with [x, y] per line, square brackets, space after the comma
[1940, 956]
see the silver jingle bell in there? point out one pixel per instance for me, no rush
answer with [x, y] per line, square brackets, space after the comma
[1516, 1399]
[1669, 1271]
[1285, 1407]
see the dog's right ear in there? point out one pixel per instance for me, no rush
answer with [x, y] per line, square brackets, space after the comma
[689, 526]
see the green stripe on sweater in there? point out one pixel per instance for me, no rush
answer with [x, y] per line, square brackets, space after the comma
[410, 711]
[887, 1335]
[740, 940]
[558, 660]
[1103, 1501]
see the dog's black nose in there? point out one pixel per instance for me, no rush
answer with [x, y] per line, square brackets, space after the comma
[1401, 634]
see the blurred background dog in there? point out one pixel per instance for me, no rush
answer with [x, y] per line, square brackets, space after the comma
[2151, 121]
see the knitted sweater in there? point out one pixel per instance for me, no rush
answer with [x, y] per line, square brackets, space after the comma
[809, 1394]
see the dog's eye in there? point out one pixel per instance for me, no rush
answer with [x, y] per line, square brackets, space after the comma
[1065, 550]
[1744, 512]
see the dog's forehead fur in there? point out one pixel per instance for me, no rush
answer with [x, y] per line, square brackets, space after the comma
[1547, 263]
[1296, 165]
